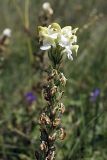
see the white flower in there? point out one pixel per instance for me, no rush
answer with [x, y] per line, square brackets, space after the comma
[48, 35]
[67, 40]
[47, 7]
[7, 32]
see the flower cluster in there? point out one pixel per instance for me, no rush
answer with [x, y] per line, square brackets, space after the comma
[55, 37]
[58, 42]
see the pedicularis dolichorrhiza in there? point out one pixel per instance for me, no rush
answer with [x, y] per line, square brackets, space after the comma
[56, 42]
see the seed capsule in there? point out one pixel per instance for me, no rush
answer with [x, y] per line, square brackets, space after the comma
[56, 122]
[53, 90]
[51, 155]
[62, 108]
[52, 137]
[62, 134]
[54, 72]
[44, 119]
[43, 145]
[63, 79]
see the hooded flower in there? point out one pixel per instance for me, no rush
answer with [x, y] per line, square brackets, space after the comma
[54, 36]
[67, 40]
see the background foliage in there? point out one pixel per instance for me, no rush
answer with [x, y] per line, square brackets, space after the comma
[85, 121]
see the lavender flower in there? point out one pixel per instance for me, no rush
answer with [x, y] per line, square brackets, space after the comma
[94, 94]
[30, 97]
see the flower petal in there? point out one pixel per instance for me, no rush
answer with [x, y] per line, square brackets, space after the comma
[55, 27]
[74, 30]
[45, 47]
[53, 36]
[70, 56]
[67, 30]
[63, 41]
[75, 48]
[69, 53]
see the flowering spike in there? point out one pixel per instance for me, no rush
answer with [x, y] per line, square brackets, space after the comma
[57, 42]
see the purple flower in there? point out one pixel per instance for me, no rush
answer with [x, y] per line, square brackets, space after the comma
[94, 94]
[30, 97]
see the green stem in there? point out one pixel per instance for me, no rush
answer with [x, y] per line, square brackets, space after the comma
[3, 148]
[27, 14]
[27, 26]
[18, 11]
[96, 121]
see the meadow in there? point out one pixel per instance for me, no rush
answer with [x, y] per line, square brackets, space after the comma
[23, 73]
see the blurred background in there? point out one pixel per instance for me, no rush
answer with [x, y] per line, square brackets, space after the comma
[22, 74]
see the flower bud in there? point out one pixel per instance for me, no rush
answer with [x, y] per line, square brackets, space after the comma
[75, 48]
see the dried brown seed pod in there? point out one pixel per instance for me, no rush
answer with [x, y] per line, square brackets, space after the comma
[53, 90]
[53, 136]
[44, 119]
[43, 145]
[56, 122]
[62, 134]
[54, 110]
[51, 155]
[62, 108]
[63, 79]
[60, 95]
[54, 72]
[49, 78]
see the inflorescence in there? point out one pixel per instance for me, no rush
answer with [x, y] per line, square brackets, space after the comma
[56, 42]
